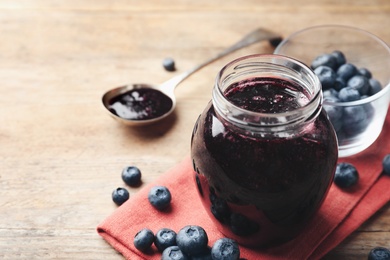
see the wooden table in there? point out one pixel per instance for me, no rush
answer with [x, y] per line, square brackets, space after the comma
[60, 153]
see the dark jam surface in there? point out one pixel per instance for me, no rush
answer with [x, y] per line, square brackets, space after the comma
[140, 104]
[267, 95]
[262, 191]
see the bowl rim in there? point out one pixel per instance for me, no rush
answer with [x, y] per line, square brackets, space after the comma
[386, 47]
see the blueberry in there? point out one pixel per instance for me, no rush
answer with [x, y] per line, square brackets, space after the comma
[160, 197]
[365, 72]
[386, 164]
[327, 60]
[355, 120]
[379, 253]
[165, 238]
[335, 114]
[174, 253]
[220, 209]
[120, 196]
[360, 83]
[375, 86]
[339, 83]
[326, 75]
[330, 93]
[340, 57]
[242, 226]
[192, 240]
[169, 64]
[144, 239]
[349, 94]
[275, 41]
[225, 249]
[346, 175]
[347, 71]
[131, 175]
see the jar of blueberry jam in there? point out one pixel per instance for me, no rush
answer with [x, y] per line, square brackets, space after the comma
[264, 152]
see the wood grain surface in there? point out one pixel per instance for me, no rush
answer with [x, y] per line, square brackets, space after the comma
[61, 155]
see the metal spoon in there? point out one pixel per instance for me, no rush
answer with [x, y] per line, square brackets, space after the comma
[168, 87]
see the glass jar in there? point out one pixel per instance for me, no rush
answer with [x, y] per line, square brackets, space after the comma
[264, 152]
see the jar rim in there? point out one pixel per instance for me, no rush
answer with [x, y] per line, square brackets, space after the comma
[294, 116]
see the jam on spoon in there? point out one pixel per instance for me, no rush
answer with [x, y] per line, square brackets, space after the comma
[140, 104]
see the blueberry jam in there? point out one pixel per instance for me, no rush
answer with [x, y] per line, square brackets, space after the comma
[140, 104]
[262, 188]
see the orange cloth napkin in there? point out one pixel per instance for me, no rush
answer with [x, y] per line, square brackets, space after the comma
[342, 211]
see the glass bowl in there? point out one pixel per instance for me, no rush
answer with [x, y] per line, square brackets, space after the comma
[357, 123]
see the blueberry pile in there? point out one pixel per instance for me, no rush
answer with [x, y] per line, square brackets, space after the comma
[344, 82]
[191, 242]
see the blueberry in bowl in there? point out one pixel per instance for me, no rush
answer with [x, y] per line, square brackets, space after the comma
[352, 65]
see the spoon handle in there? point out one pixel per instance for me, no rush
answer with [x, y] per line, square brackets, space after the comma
[257, 35]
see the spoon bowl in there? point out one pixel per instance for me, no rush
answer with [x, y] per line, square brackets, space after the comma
[129, 106]
[122, 90]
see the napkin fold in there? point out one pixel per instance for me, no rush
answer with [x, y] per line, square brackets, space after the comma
[342, 212]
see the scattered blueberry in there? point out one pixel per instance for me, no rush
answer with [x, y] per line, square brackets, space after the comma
[169, 64]
[326, 75]
[275, 41]
[360, 83]
[327, 60]
[365, 72]
[174, 253]
[192, 240]
[165, 238]
[120, 196]
[348, 94]
[225, 249]
[379, 253]
[375, 86]
[346, 175]
[144, 239]
[160, 197]
[347, 71]
[131, 175]
[386, 164]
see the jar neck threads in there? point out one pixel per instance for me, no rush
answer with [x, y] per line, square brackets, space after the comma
[308, 94]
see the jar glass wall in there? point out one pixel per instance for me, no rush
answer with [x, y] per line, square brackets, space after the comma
[264, 152]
